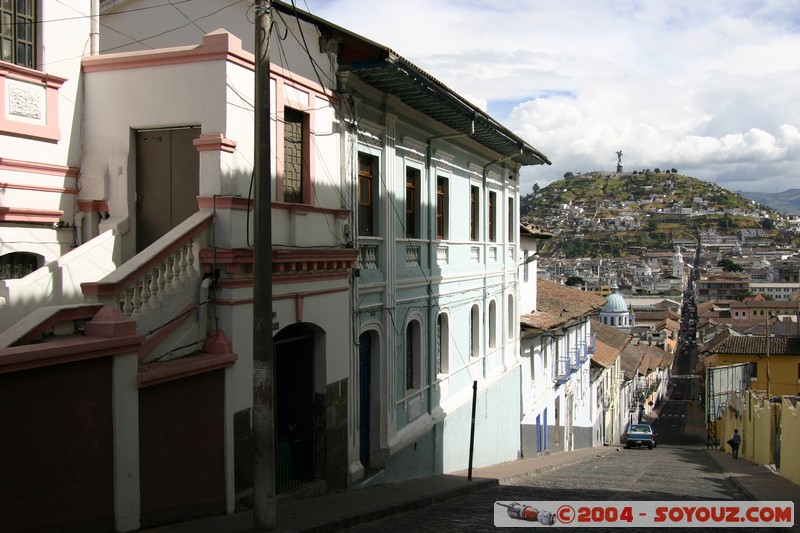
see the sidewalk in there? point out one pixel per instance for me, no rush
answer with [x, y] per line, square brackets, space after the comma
[756, 482]
[346, 509]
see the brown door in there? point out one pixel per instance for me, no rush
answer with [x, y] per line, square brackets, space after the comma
[167, 184]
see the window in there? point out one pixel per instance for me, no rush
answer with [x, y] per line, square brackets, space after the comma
[441, 207]
[412, 203]
[511, 322]
[294, 168]
[492, 324]
[413, 363]
[754, 370]
[474, 332]
[17, 265]
[512, 228]
[366, 195]
[442, 344]
[474, 216]
[525, 257]
[492, 214]
[18, 32]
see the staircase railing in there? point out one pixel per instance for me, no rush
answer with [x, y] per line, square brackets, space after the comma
[159, 277]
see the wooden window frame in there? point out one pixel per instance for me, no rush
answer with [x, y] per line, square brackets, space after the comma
[366, 202]
[474, 214]
[412, 207]
[13, 34]
[442, 210]
[492, 216]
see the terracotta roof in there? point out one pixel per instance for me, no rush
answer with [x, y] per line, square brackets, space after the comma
[745, 345]
[704, 307]
[559, 305]
[642, 358]
[716, 340]
[609, 343]
[763, 304]
[706, 362]
[527, 229]
[610, 335]
[663, 358]
[604, 355]
[629, 361]
[654, 316]
[784, 328]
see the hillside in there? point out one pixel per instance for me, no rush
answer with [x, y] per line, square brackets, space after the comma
[787, 202]
[620, 214]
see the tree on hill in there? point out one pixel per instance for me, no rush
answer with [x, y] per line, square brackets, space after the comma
[574, 281]
[729, 266]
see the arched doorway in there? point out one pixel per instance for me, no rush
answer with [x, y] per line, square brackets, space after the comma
[294, 406]
[368, 400]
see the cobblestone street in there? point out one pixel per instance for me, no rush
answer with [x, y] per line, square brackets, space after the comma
[667, 473]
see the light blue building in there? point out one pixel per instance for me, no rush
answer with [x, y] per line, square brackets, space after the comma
[436, 200]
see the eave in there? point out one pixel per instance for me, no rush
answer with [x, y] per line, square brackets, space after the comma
[383, 69]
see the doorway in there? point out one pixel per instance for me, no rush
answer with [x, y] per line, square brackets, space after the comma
[167, 181]
[367, 399]
[294, 407]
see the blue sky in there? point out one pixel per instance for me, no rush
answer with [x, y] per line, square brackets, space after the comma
[708, 87]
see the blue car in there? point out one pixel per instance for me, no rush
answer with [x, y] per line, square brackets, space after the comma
[640, 435]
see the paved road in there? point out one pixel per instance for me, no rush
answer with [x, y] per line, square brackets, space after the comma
[677, 469]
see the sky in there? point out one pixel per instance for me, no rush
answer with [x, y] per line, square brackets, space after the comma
[708, 87]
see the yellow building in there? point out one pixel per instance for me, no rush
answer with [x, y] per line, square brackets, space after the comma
[776, 371]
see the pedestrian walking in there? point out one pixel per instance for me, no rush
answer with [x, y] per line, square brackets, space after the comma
[734, 443]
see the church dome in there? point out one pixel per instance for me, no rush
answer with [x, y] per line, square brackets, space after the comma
[615, 302]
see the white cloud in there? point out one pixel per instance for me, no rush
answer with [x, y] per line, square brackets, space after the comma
[706, 87]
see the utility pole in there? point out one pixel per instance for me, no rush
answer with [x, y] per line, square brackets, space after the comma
[264, 517]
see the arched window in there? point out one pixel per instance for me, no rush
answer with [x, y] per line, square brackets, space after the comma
[413, 358]
[442, 344]
[474, 331]
[512, 325]
[17, 265]
[492, 324]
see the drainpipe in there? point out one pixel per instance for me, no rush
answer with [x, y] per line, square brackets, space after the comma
[94, 29]
[433, 180]
[202, 319]
[79, 227]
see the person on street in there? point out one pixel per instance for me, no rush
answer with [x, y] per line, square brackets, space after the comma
[735, 441]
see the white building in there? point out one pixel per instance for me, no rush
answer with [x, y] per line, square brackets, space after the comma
[606, 379]
[556, 344]
[394, 253]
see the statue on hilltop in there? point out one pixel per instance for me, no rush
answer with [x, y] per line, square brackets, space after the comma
[619, 160]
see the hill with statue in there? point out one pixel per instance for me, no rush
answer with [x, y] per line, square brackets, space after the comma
[616, 214]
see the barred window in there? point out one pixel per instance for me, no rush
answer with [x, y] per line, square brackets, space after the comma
[293, 167]
[18, 32]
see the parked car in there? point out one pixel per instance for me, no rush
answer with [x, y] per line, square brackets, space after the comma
[640, 435]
